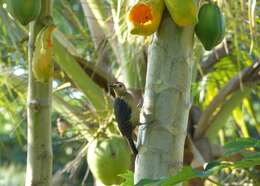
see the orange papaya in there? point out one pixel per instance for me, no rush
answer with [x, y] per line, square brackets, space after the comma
[145, 16]
[24, 10]
[183, 12]
[210, 29]
[108, 158]
[42, 65]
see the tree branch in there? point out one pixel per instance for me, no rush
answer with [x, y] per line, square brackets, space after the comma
[250, 75]
[213, 58]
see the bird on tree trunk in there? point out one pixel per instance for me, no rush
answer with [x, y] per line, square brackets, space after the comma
[126, 113]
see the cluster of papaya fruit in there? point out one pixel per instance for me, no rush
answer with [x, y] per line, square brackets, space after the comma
[145, 16]
[24, 11]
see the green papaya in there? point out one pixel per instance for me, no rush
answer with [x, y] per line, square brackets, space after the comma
[183, 12]
[107, 158]
[24, 10]
[211, 25]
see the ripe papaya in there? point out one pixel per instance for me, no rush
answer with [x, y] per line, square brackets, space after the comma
[107, 158]
[211, 26]
[145, 16]
[42, 65]
[183, 12]
[24, 10]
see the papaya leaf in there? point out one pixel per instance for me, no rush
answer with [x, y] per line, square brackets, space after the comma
[247, 163]
[240, 144]
[148, 182]
[247, 104]
[187, 173]
[238, 116]
[251, 155]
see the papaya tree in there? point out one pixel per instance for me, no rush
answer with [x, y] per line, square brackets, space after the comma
[168, 83]
[40, 70]
[39, 153]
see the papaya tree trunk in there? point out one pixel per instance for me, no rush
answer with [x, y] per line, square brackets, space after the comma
[166, 103]
[39, 143]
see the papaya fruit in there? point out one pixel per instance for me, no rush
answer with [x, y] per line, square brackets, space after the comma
[42, 65]
[24, 10]
[107, 158]
[145, 16]
[210, 29]
[183, 12]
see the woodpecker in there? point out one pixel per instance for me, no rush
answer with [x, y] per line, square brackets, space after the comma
[126, 113]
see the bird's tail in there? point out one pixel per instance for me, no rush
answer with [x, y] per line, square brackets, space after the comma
[132, 145]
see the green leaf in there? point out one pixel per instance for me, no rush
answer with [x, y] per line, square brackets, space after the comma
[148, 182]
[239, 118]
[251, 155]
[94, 94]
[247, 163]
[240, 144]
[129, 178]
[247, 104]
[187, 173]
[219, 120]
